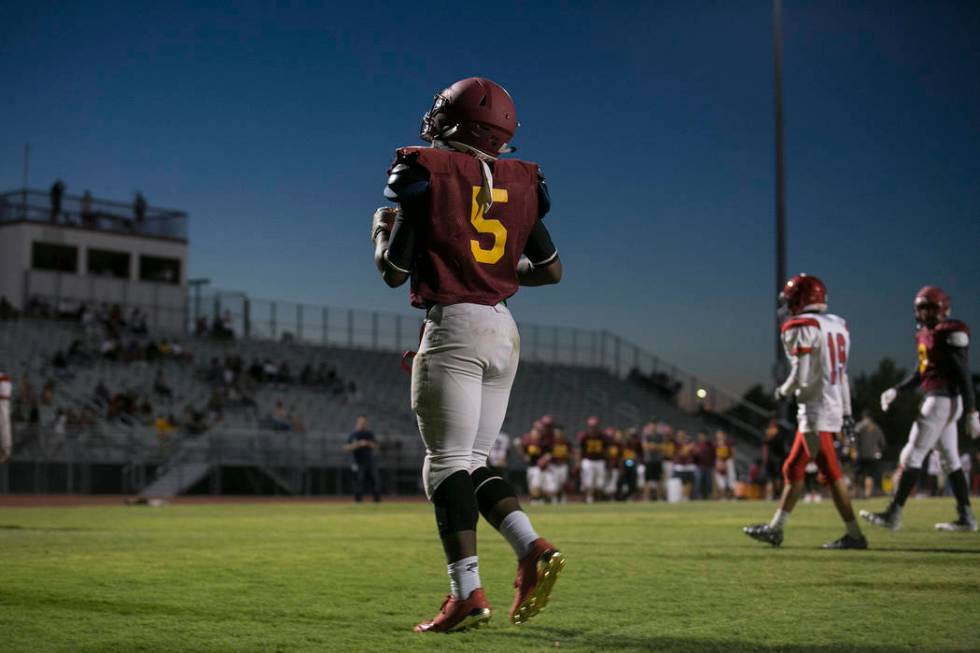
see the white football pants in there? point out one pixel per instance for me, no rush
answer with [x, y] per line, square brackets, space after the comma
[935, 427]
[461, 380]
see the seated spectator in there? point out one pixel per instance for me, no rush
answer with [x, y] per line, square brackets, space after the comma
[306, 376]
[160, 386]
[201, 327]
[279, 419]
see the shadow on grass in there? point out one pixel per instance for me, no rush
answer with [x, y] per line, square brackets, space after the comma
[17, 527]
[555, 638]
[44, 602]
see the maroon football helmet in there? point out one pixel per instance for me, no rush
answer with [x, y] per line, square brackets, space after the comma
[474, 111]
[931, 306]
[803, 292]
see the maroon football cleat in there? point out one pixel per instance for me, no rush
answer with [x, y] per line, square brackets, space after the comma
[457, 614]
[536, 576]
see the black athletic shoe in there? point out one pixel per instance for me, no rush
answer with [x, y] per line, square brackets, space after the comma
[889, 520]
[965, 523]
[764, 533]
[848, 542]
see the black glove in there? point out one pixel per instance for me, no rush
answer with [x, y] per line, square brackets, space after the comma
[850, 437]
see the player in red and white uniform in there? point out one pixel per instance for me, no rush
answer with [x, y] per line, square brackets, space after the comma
[818, 346]
[6, 436]
[468, 232]
[592, 444]
[943, 375]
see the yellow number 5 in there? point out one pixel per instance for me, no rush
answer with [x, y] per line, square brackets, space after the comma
[485, 226]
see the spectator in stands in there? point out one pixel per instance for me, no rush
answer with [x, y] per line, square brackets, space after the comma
[279, 419]
[57, 192]
[353, 393]
[102, 394]
[160, 386]
[704, 460]
[870, 449]
[306, 376]
[201, 327]
[139, 210]
[88, 217]
[361, 445]
[7, 310]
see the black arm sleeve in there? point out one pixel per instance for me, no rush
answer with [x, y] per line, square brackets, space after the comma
[961, 368]
[401, 244]
[909, 382]
[539, 248]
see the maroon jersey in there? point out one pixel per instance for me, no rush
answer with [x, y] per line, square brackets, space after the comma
[471, 257]
[532, 449]
[935, 347]
[560, 451]
[592, 444]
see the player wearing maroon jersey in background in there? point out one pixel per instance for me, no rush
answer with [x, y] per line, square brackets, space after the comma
[468, 232]
[533, 450]
[556, 476]
[943, 374]
[817, 344]
[592, 444]
[6, 439]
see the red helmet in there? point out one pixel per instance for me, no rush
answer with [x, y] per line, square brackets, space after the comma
[474, 111]
[803, 292]
[931, 305]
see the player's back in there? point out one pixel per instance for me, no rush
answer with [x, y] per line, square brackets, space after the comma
[471, 254]
[824, 339]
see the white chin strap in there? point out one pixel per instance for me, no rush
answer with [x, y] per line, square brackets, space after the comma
[485, 196]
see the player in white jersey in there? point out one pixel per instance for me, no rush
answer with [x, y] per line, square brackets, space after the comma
[817, 345]
[6, 439]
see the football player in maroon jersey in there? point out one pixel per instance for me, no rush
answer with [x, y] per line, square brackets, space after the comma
[468, 232]
[943, 375]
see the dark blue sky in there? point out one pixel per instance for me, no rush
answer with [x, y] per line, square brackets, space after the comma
[273, 126]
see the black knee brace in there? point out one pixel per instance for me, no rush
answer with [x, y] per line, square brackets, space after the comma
[455, 504]
[490, 488]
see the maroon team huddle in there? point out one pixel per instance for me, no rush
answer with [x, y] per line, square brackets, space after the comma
[610, 464]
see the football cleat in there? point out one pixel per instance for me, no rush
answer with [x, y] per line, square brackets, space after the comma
[456, 614]
[891, 521]
[536, 576]
[965, 523]
[848, 542]
[765, 533]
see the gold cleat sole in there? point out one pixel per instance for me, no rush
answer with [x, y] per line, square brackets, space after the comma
[475, 619]
[548, 568]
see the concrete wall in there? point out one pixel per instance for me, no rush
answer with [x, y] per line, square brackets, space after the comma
[164, 303]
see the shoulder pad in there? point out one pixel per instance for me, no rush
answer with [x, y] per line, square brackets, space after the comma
[958, 339]
[950, 326]
[796, 322]
[407, 178]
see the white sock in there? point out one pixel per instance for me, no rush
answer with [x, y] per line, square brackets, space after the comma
[517, 530]
[464, 576]
[779, 519]
[852, 528]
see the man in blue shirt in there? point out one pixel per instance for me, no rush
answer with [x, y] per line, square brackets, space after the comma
[361, 444]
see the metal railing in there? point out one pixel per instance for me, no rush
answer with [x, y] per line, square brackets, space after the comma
[33, 205]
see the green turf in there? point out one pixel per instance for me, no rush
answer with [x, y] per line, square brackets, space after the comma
[321, 577]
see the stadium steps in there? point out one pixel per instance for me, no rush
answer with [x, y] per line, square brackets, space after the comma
[176, 480]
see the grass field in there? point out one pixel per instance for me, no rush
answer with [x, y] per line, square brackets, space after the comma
[331, 577]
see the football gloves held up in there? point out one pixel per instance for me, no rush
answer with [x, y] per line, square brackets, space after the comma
[383, 220]
[887, 397]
